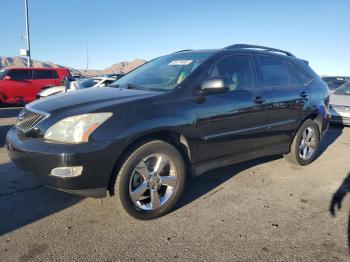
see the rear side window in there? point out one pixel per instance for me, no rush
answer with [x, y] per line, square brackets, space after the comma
[274, 72]
[45, 74]
[20, 74]
[54, 75]
[297, 77]
[238, 69]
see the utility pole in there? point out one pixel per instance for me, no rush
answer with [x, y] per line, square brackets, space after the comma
[29, 63]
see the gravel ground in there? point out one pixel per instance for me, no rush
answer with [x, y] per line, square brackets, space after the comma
[262, 210]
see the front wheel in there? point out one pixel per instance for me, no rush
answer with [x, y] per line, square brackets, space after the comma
[151, 180]
[305, 145]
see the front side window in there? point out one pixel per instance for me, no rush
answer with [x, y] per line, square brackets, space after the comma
[274, 72]
[20, 74]
[297, 77]
[54, 75]
[3, 73]
[238, 69]
[43, 74]
[163, 73]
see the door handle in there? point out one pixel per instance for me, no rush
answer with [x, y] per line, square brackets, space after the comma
[259, 100]
[304, 95]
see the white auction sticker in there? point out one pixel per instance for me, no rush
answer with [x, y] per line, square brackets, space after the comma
[180, 62]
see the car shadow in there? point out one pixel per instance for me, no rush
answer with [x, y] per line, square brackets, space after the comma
[337, 200]
[199, 186]
[24, 201]
[333, 133]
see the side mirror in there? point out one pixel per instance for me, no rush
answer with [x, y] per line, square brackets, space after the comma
[7, 78]
[215, 85]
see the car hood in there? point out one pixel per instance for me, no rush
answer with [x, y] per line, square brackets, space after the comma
[89, 100]
[343, 100]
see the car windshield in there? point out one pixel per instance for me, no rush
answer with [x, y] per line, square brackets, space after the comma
[2, 73]
[343, 90]
[88, 83]
[163, 73]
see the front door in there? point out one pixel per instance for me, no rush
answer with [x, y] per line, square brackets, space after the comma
[232, 123]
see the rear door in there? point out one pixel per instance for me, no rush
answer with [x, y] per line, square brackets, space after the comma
[286, 94]
[232, 123]
[42, 78]
[17, 90]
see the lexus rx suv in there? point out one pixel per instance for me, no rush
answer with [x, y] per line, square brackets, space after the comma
[174, 117]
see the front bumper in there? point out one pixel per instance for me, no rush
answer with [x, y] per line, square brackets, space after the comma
[38, 157]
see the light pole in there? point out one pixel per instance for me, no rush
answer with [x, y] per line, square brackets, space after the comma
[29, 62]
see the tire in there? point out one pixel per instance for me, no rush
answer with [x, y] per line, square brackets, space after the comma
[301, 141]
[137, 170]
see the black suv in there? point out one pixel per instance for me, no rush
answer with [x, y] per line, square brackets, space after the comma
[178, 115]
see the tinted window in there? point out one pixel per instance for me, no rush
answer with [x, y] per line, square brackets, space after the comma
[297, 77]
[44, 74]
[274, 72]
[238, 69]
[20, 74]
[55, 75]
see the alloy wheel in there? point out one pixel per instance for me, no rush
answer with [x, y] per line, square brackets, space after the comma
[153, 181]
[307, 144]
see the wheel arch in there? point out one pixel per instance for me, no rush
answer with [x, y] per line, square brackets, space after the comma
[315, 116]
[172, 137]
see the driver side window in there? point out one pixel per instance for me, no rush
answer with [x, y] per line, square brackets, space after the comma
[238, 69]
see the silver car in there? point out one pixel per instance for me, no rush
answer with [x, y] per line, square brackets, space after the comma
[340, 105]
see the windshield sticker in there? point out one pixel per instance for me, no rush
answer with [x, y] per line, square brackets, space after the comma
[180, 62]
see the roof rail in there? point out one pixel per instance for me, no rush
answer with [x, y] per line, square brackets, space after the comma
[245, 46]
[182, 51]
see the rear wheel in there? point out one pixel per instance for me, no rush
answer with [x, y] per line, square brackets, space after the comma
[151, 180]
[304, 148]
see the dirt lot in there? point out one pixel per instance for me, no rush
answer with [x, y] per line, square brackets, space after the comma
[263, 210]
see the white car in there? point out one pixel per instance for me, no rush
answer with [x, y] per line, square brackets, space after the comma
[77, 85]
[340, 105]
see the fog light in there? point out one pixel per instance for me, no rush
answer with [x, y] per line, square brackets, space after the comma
[68, 171]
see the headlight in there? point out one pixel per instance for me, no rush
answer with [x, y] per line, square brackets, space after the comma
[76, 129]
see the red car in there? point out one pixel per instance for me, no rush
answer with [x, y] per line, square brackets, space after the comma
[21, 85]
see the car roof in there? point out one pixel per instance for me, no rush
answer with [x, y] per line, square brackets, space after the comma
[244, 48]
[251, 51]
[36, 68]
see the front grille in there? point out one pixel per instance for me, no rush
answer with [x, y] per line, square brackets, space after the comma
[28, 119]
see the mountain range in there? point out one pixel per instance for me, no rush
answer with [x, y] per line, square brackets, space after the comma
[121, 67]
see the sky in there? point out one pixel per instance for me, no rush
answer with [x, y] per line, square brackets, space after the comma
[61, 30]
